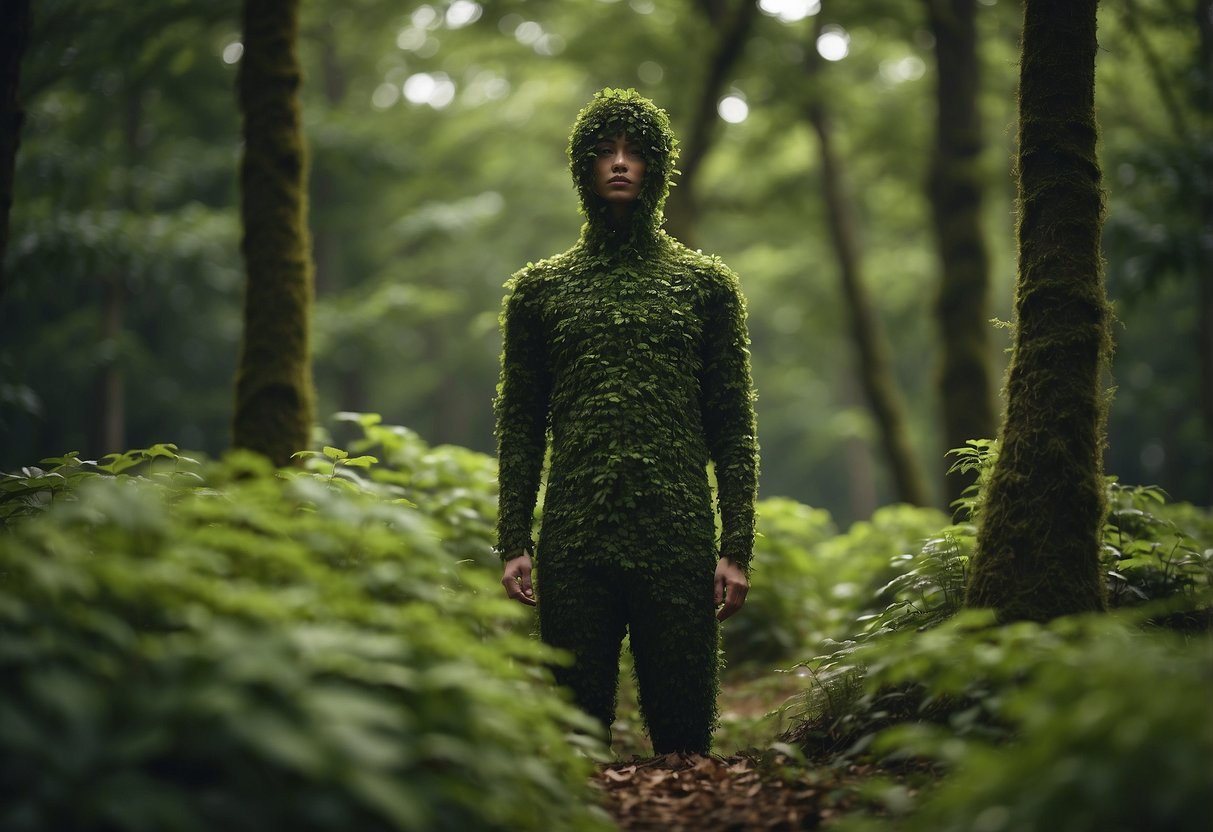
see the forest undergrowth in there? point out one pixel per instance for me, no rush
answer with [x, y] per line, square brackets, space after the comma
[193, 643]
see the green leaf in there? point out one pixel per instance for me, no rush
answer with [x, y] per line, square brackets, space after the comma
[360, 461]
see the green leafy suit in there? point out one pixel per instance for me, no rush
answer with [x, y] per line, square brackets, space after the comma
[630, 350]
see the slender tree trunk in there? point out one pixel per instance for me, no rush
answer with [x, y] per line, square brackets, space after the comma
[1204, 276]
[875, 372]
[1038, 543]
[955, 190]
[274, 398]
[733, 22]
[109, 432]
[14, 37]
[861, 472]
[113, 381]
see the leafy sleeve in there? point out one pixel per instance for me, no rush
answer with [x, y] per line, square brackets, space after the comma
[521, 409]
[727, 403]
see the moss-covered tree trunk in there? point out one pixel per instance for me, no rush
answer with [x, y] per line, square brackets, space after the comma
[1038, 544]
[871, 345]
[14, 36]
[274, 380]
[732, 20]
[955, 190]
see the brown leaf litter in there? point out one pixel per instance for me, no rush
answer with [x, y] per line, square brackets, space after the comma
[692, 792]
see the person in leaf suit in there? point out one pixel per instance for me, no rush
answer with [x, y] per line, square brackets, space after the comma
[631, 351]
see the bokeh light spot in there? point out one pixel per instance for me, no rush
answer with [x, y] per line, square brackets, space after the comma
[508, 24]
[462, 13]
[528, 32]
[232, 52]
[650, 72]
[424, 17]
[733, 109]
[789, 11]
[833, 43]
[909, 68]
[433, 88]
[384, 96]
[549, 44]
[410, 38]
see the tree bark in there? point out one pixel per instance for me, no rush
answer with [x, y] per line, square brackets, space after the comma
[113, 380]
[274, 396]
[862, 497]
[872, 348]
[1038, 542]
[734, 25]
[1204, 276]
[14, 37]
[955, 191]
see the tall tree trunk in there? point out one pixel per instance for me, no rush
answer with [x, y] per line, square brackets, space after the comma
[113, 381]
[1038, 543]
[862, 496]
[274, 397]
[109, 431]
[733, 22]
[955, 190]
[871, 345]
[1204, 276]
[14, 37]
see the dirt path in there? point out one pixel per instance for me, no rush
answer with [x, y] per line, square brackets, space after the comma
[705, 794]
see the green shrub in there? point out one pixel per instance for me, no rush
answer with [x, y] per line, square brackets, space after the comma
[810, 582]
[1150, 557]
[454, 485]
[222, 646]
[1110, 725]
[884, 564]
[782, 612]
[1153, 551]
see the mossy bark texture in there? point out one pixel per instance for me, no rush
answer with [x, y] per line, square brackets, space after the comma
[14, 37]
[274, 397]
[631, 351]
[956, 195]
[1038, 544]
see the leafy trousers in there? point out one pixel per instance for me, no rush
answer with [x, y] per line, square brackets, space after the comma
[586, 606]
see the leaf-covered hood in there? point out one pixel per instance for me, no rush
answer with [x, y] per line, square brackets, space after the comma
[609, 113]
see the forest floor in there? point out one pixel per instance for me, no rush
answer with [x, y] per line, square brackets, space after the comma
[757, 787]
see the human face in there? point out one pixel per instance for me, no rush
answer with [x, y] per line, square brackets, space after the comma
[618, 170]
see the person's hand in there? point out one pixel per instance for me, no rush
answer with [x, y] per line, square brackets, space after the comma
[731, 588]
[517, 580]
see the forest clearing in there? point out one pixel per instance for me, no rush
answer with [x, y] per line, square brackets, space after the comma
[255, 363]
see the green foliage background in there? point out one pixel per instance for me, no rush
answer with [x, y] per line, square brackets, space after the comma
[194, 645]
[126, 178]
[203, 635]
[190, 643]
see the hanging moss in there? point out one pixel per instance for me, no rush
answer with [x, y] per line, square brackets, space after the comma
[631, 351]
[274, 396]
[1038, 546]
